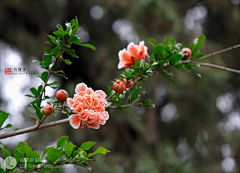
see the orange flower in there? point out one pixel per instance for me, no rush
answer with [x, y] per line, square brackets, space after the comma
[88, 106]
[127, 57]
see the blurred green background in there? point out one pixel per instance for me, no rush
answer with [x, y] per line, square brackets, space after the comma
[195, 126]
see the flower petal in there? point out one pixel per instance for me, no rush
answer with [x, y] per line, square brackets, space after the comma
[143, 48]
[133, 50]
[124, 56]
[81, 87]
[74, 121]
[93, 125]
[101, 93]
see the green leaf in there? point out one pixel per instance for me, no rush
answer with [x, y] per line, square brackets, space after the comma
[88, 46]
[134, 95]
[68, 149]
[3, 117]
[18, 154]
[110, 90]
[175, 58]
[48, 42]
[168, 41]
[76, 26]
[46, 149]
[60, 33]
[72, 53]
[6, 152]
[44, 76]
[75, 39]
[159, 49]
[198, 45]
[87, 145]
[54, 154]
[34, 91]
[55, 52]
[40, 87]
[62, 141]
[26, 150]
[168, 77]
[100, 150]
[21, 144]
[39, 113]
[35, 117]
[53, 39]
[54, 83]
[67, 61]
[85, 165]
[48, 60]
[61, 75]
[152, 41]
[30, 96]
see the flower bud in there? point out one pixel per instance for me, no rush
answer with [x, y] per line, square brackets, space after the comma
[47, 110]
[188, 51]
[128, 83]
[60, 96]
[119, 86]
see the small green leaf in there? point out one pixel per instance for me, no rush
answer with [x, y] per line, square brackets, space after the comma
[68, 149]
[44, 76]
[168, 41]
[34, 91]
[62, 75]
[76, 26]
[48, 42]
[152, 41]
[29, 96]
[72, 53]
[6, 152]
[88, 46]
[87, 145]
[3, 117]
[110, 90]
[100, 150]
[40, 87]
[67, 61]
[46, 149]
[55, 52]
[85, 165]
[48, 60]
[35, 117]
[62, 141]
[159, 49]
[198, 45]
[54, 154]
[53, 39]
[175, 58]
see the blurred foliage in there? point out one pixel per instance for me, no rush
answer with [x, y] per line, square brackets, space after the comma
[139, 140]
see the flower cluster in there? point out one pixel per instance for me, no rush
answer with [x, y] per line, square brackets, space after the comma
[127, 57]
[88, 106]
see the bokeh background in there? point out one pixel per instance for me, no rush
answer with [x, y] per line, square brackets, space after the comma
[195, 126]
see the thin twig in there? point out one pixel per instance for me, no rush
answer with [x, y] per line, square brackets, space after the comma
[220, 51]
[134, 104]
[217, 67]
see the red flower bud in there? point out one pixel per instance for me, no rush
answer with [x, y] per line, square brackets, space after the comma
[119, 86]
[128, 83]
[188, 51]
[47, 110]
[60, 96]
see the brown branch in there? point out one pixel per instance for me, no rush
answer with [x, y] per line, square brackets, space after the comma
[134, 104]
[220, 51]
[216, 66]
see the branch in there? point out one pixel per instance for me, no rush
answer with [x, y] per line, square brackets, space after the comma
[134, 104]
[220, 51]
[217, 67]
